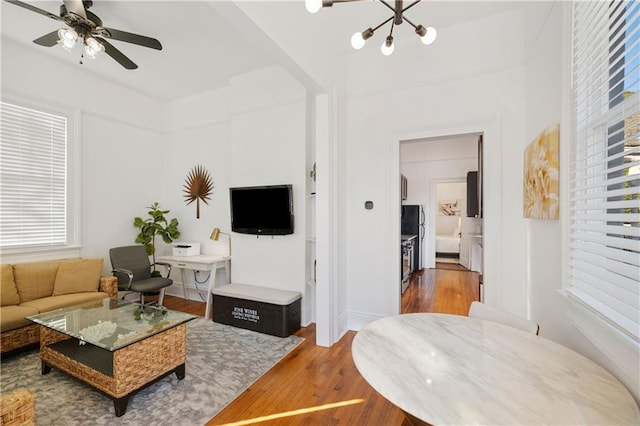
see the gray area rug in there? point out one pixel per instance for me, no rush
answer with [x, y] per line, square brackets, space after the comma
[222, 362]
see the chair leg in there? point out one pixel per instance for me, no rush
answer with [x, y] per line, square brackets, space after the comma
[161, 297]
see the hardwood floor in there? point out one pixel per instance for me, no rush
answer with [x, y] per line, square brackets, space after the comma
[448, 289]
[314, 385]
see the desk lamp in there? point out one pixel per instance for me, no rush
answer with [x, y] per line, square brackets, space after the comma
[215, 235]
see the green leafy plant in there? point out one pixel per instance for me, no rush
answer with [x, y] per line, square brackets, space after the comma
[156, 224]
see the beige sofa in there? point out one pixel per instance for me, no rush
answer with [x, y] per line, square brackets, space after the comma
[36, 287]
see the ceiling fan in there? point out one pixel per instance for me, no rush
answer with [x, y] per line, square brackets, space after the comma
[87, 27]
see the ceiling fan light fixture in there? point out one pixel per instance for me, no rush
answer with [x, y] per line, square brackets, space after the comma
[92, 47]
[83, 24]
[68, 38]
[387, 47]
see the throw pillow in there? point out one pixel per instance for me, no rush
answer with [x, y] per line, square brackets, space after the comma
[78, 276]
[34, 280]
[8, 290]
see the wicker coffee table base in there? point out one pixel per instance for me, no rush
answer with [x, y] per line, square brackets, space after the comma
[120, 373]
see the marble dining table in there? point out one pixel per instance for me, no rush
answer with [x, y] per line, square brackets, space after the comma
[450, 369]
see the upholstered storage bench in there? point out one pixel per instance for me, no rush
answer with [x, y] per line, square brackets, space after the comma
[262, 309]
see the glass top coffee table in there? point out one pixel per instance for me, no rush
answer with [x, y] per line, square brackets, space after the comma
[115, 346]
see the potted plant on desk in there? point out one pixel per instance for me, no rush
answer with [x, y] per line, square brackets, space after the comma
[156, 224]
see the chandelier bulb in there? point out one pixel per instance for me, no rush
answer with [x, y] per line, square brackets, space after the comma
[357, 41]
[429, 35]
[387, 47]
[313, 5]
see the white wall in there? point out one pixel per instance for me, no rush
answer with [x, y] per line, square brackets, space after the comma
[544, 91]
[483, 89]
[252, 132]
[198, 131]
[122, 173]
[269, 148]
[120, 142]
[547, 86]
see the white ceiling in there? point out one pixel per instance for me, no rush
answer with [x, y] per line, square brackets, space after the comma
[207, 42]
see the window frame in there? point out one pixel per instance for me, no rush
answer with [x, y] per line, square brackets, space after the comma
[617, 344]
[73, 223]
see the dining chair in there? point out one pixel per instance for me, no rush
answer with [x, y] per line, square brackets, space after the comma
[486, 312]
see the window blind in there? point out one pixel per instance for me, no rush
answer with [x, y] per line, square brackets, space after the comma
[33, 177]
[604, 169]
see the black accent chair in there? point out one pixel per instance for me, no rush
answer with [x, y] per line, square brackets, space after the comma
[130, 264]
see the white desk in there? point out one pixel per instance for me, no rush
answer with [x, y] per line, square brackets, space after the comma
[450, 369]
[201, 262]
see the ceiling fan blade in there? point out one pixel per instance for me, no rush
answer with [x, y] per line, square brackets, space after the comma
[134, 38]
[35, 9]
[76, 7]
[117, 55]
[48, 40]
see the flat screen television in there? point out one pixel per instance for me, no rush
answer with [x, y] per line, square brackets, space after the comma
[262, 210]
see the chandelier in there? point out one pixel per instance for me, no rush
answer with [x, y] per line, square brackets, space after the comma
[427, 34]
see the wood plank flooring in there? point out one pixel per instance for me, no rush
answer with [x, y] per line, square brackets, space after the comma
[314, 385]
[448, 289]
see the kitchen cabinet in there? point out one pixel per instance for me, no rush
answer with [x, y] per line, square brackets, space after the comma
[471, 251]
[473, 195]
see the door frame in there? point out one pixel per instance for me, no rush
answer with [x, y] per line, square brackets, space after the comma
[431, 263]
[491, 178]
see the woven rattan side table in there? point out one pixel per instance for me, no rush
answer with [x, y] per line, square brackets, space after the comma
[117, 347]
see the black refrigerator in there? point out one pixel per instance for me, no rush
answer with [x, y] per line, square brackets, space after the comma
[412, 223]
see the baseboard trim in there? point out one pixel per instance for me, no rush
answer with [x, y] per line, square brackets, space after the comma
[357, 320]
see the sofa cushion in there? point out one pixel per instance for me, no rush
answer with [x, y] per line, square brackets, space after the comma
[77, 276]
[47, 304]
[14, 317]
[8, 290]
[35, 280]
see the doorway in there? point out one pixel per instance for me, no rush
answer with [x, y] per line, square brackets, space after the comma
[449, 207]
[437, 171]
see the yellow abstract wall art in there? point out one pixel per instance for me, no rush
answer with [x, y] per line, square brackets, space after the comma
[541, 176]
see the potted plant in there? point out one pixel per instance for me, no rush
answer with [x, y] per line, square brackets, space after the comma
[156, 224]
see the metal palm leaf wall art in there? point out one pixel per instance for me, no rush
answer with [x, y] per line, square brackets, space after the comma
[198, 186]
